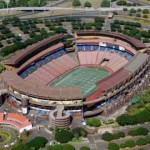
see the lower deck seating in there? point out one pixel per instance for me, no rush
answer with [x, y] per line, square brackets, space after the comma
[49, 57]
[48, 72]
[105, 59]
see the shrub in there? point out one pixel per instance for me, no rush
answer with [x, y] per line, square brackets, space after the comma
[113, 146]
[63, 136]
[93, 122]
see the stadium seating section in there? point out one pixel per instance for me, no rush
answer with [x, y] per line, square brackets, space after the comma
[51, 70]
[106, 47]
[111, 61]
[50, 56]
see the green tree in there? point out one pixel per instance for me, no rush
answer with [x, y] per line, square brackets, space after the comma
[107, 136]
[76, 3]
[129, 143]
[113, 146]
[132, 11]
[105, 3]
[63, 136]
[37, 142]
[141, 141]
[87, 4]
[145, 11]
[138, 10]
[145, 16]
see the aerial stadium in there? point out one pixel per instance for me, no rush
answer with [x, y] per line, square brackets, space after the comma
[104, 71]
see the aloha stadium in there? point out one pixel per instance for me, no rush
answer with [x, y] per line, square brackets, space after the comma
[100, 74]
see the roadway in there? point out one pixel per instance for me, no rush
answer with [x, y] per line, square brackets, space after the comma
[46, 8]
[140, 2]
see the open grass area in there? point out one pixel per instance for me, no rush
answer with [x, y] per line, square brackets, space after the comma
[85, 77]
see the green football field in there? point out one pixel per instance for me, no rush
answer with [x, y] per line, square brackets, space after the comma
[85, 77]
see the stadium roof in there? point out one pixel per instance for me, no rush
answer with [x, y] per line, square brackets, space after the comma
[12, 80]
[136, 62]
[35, 48]
[40, 55]
[112, 80]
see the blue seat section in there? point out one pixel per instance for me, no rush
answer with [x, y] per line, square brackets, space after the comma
[47, 58]
[108, 47]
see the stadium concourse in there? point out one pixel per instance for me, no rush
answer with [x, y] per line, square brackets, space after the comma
[102, 74]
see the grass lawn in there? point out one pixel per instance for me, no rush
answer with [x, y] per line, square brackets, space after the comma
[85, 77]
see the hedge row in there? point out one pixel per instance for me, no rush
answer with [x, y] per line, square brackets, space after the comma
[109, 136]
[129, 143]
[138, 131]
